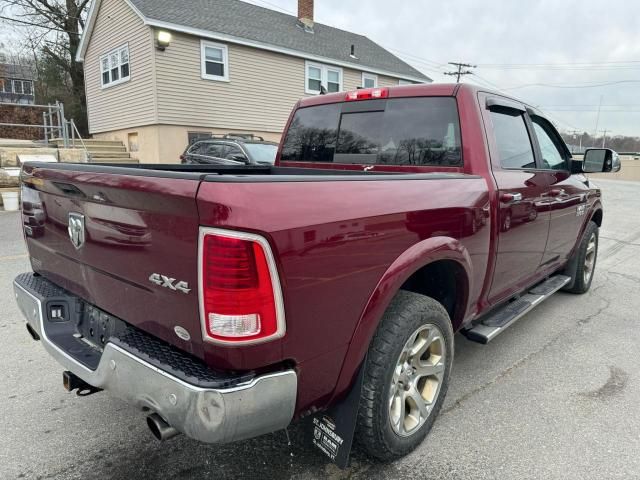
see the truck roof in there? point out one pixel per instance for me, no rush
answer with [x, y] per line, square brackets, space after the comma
[417, 90]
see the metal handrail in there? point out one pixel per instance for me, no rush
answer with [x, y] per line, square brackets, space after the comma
[53, 123]
[74, 131]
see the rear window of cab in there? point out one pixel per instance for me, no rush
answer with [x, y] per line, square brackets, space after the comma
[401, 131]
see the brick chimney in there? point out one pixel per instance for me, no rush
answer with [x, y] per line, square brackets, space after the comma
[305, 12]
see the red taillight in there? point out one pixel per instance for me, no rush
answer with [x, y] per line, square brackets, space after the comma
[240, 297]
[367, 94]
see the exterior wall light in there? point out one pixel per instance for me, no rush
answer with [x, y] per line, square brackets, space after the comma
[163, 40]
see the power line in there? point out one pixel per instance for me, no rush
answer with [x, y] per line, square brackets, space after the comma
[424, 60]
[47, 27]
[460, 73]
[558, 64]
[284, 10]
[594, 85]
[581, 68]
[491, 84]
[501, 90]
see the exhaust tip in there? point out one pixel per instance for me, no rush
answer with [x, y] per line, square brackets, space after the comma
[33, 333]
[160, 429]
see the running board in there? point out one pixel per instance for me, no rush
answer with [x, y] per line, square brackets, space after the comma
[498, 321]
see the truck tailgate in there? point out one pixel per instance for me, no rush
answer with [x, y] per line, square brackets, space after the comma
[135, 225]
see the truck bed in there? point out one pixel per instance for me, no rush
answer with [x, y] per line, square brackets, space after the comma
[333, 233]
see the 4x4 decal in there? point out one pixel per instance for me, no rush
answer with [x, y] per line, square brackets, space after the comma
[168, 282]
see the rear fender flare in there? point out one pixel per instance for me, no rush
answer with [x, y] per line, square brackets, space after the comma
[597, 206]
[412, 260]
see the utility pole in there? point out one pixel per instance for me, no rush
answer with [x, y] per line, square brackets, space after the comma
[460, 73]
[604, 136]
[577, 133]
[597, 121]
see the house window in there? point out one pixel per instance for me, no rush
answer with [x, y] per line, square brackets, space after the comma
[369, 80]
[27, 87]
[18, 87]
[318, 75]
[215, 61]
[114, 66]
[193, 137]
[314, 82]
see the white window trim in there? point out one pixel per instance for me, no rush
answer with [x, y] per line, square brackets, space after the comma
[121, 79]
[225, 60]
[324, 76]
[370, 76]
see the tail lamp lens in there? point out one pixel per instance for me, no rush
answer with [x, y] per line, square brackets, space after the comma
[240, 294]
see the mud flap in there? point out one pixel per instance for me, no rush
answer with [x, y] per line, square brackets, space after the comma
[332, 431]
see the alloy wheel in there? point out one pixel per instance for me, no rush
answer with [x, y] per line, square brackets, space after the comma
[417, 379]
[590, 258]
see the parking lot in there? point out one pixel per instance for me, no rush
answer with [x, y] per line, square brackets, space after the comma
[556, 396]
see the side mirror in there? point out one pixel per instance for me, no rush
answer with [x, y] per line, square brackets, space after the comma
[597, 160]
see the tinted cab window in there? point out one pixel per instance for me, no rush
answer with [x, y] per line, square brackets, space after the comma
[403, 131]
[552, 155]
[512, 140]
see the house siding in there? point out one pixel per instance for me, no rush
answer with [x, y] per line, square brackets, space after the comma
[353, 79]
[128, 104]
[262, 89]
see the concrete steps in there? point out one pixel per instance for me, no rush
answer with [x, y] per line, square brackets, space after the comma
[103, 154]
[102, 151]
[106, 148]
[88, 142]
[113, 160]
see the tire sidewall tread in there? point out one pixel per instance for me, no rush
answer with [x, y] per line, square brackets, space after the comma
[407, 312]
[579, 286]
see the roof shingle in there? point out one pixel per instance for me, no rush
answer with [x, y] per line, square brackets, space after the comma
[252, 22]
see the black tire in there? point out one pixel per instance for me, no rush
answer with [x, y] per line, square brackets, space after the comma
[407, 313]
[506, 222]
[581, 282]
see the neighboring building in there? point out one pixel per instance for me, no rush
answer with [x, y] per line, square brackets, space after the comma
[16, 84]
[160, 73]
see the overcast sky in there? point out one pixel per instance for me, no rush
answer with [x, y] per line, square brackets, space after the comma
[602, 36]
[429, 33]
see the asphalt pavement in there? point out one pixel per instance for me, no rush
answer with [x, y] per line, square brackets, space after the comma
[555, 396]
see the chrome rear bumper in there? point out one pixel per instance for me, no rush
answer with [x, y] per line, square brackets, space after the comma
[262, 405]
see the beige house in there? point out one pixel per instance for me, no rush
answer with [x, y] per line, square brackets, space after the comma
[160, 73]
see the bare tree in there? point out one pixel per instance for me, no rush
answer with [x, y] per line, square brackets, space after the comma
[54, 29]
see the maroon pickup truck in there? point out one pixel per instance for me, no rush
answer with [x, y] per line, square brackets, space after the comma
[228, 302]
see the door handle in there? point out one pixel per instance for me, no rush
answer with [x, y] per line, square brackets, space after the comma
[557, 192]
[510, 197]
